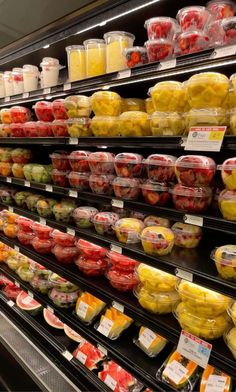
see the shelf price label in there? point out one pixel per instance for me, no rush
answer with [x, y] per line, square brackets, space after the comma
[126, 73]
[118, 306]
[116, 248]
[73, 140]
[224, 51]
[17, 284]
[73, 193]
[9, 179]
[50, 309]
[117, 203]
[184, 274]
[47, 90]
[193, 220]
[82, 309]
[17, 248]
[30, 294]
[27, 183]
[66, 354]
[70, 231]
[167, 64]
[110, 382]
[205, 139]
[25, 95]
[67, 86]
[42, 221]
[7, 99]
[10, 209]
[102, 349]
[48, 188]
[10, 303]
[194, 349]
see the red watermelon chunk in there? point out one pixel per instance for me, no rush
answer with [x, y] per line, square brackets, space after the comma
[117, 378]
[88, 354]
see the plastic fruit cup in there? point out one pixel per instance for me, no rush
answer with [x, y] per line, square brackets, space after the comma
[195, 170]
[20, 114]
[134, 124]
[63, 299]
[229, 27]
[155, 193]
[157, 241]
[116, 43]
[21, 155]
[136, 56]
[120, 262]
[24, 224]
[62, 239]
[193, 200]
[228, 173]
[78, 106]
[17, 130]
[120, 280]
[41, 231]
[42, 246]
[101, 162]
[128, 165]
[104, 222]
[133, 104]
[193, 18]
[101, 184]
[88, 249]
[106, 103]
[60, 160]
[6, 168]
[160, 167]
[227, 204]
[229, 338]
[154, 279]
[105, 126]
[157, 303]
[221, 9]
[30, 129]
[167, 124]
[79, 161]
[205, 117]
[60, 128]
[225, 261]
[5, 115]
[192, 41]
[83, 216]
[215, 33]
[60, 177]
[128, 230]
[65, 255]
[18, 85]
[167, 96]
[79, 127]
[186, 236]
[126, 188]
[91, 267]
[25, 238]
[59, 110]
[43, 111]
[161, 27]
[79, 180]
[44, 129]
[159, 49]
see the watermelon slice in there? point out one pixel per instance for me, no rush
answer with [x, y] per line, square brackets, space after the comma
[88, 355]
[117, 378]
[25, 302]
[52, 320]
[72, 334]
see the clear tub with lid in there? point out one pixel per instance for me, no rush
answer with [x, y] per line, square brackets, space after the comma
[160, 167]
[133, 104]
[43, 111]
[208, 328]
[134, 123]
[207, 90]
[44, 129]
[193, 18]
[128, 230]
[157, 240]
[154, 302]
[229, 27]
[91, 267]
[88, 307]
[79, 161]
[128, 164]
[121, 262]
[83, 216]
[41, 231]
[186, 236]
[30, 77]
[2, 87]
[60, 160]
[195, 170]
[79, 180]
[167, 124]
[63, 300]
[205, 117]
[50, 72]
[5, 115]
[79, 127]
[90, 250]
[25, 238]
[17, 130]
[225, 262]
[18, 83]
[105, 126]
[232, 121]
[60, 128]
[60, 177]
[59, 110]
[227, 204]
[126, 188]
[40, 284]
[76, 62]
[230, 340]
[5, 130]
[21, 155]
[101, 183]
[161, 27]
[65, 254]
[153, 279]
[191, 199]
[8, 83]
[192, 41]
[221, 9]
[62, 239]
[116, 43]
[150, 342]
[62, 284]
[136, 56]
[43, 246]
[101, 162]
[121, 280]
[167, 96]
[95, 55]
[44, 207]
[152, 220]
[106, 103]
[19, 114]
[78, 106]
[104, 222]
[228, 173]
[200, 300]
[155, 193]
[30, 129]
[149, 106]
[159, 49]
[232, 312]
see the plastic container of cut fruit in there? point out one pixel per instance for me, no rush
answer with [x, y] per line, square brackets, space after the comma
[202, 301]
[60, 177]
[149, 106]
[150, 342]
[230, 339]
[17, 130]
[167, 96]
[44, 129]
[227, 204]
[79, 161]
[91, 267]
[152, 220]
[43, 111]
[229, 28]
[159, 49]
[232, 312]
[136, 56]
[161, 27]
[206, 117]
[105, 126]
[42, 246]
[101, 162]
[193, 18]
[19, 114]
[39, 270]
[6, 168]
[25, 237]
[104, 222]
[63, 239]
[117, 320]
[225, 261]
[24, 224]
[121, 280]
[128, 230]
[83, 216]
[208, 328]
[59, 110]
[106, 103]
[228, 173]
[154, 302]
[30, 129]
[128, 165]
[5, 130]
[126, 188]
[192, 41]
[60, 160]
[167, 124]
[116, 43]
[186, 236]
[63, 300]
[79, 181]
[65, 254]
[41, 231]
[133, 104]
[79, 127]
[88, 307]
[90, 250]
[155, 193]
[121, 262]
[157, 241]
[41, 285]
[153, 279]
[101, 183]
[5, 116]
[61, 284]
[195, 170]
[78, 106]
[134, 124]
[160, 168]
[60, 128]
[191, 199]
[220, 9]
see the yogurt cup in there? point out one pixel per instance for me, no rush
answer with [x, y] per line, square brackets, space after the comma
[30, 77]
[50, 72]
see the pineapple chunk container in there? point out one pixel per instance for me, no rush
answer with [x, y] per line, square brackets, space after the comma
[116, 43]
[76, 62]
[225, 262]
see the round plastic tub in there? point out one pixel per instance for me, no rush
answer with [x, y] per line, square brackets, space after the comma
[133, 104]
[19, 114]
[59, 110]
[5, 169]
[39, 270]
[24, 237]
[167, 124]
[121, 280]
[152, 220]
[65, 255]
[43, 111]
[193, 18]
[24, 224]
[128, 165]
[90, 250]
[21, 155]
[62, 239]
[227, 204]
[128, 230]
[149, 106]
[136, 56]
[192, 41]
[42, 246]
[195, 170]
[161, 27]
[61, 284]
[83, 216]
[50, 72]
[120, 262]
[232, 312]
[229, 27]
[79, 127]
[95, 55]
[230, 340]
[30, 129]
[221, 9]
[17, 130]
[205, 117]
[190, 199]
[79, 161]
[17, 77]
[208, 328]
[78, 106]
[167, 96]
[134, 123]
[44, 207]
[155, 193]
[157, 303]
[5, 130]
[30, 77]
[76, 62]
[44, 129]
[91, 267]
[5, 116]
[186, 236]
[159, 49]
[60, 177]
[106, 103]
[228, 173]
[104, 222]
[202, 301]
[126, 188]
[8, 83]
[116, 43]
[41, 231]
[79, 180]
[225, 261]
[41, 285]
[105, 126]
[60, 160]
[157, 241]
[63, 300]
[153, 279]
[160, 167]
[101, 183]
[60, 128]
[101, 162]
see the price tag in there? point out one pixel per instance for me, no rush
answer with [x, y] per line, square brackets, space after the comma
[81, 357]
[73, 193]
[224, 51]
[10, 209]
[117, 203]
[126, 73]
[73, 140]
[30, 294]
[42, 221]
[70, 231]
[184, 274]
[175, 371]
[110, 382]
[118, 306]
[215, 383]
[27, 300]
[116, 249]
[194, 349]
[17, 248]
[47, 90]
[147, 337]
[10, 303]
[27, 183]
[105, 326]
[9, 179]
[193, 220]
[48, 188]
[82, 309]
[205, 138]
[167, 64]
[67, 86]
[50, 309]
[7, 99]
[17, 284]
[102, 349]
[25, 95]
[66, 354]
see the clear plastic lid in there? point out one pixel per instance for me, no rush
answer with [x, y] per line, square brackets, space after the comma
[62, 238]
[153, 220]
[180, 190]
[30, 68]
[135, 115]
[221, 9]
[129, 224]
[195, 162]
[104, 119]
[155, 279]
[230, 340]
[77, 101]
[61, 283]
[74, 47]
[73, 175]
[71, 121]
[126, 182]
[120, 261]
[43, 105]
[184, 228]
[168, 85]
[227, 195]
[225, 255]
[94, 42]
[49, 61]
[118, 35]
[157, 234]
[191, 12]
[140, 49]
[162, 19]
[160, 41]
[90, 264]
[169, 297]
[160, 160]
[191, 291]
[96, 178]
[105, 96]
[121, 277]
[228, 165]
[16, 71]
[204, 114]
[79, 155]
[106, 218]
[63, 297]
[57, 172]
[39, 229]
[59, 154]
[208, 78]
[84, 212]
[232, 311]
[154, 186]
[228, 22]
[101, 156]
[91, 250]
[127, 157]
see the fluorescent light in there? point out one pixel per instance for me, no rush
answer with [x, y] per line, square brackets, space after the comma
[46, 46]
[87, 29]
[105, 87]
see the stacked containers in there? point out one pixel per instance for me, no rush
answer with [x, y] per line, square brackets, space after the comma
[92, 260]
[78, 109]
[227, 198]
[64, 247]
[102, 168]
[44, 114]
[25, 233]
[221, 30]
[64, 294]
[128, 167]
[121, 272]
[61, 168]
[79, 176]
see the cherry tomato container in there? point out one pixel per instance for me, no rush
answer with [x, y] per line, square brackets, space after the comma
[121, 262]
[101, 162]
[126, 188]
[59, 128]
[161, 27]
[24, 237]
[19, 114]
[60, 160]
[160, 167]
[30, 129]
[44, 129]
[155, 193]
[43, 111]
[62, 239]
[136, 56]
[192, 41]
[121, 280]
[91, 267]
[104, 222]
[195, 170]
[41, 231]
[58, 109]
[83, 216]
[42, 246]
[221, 9]
[79, 180]
[60, 177]
[190, 199]
[193, 18]
[128, 165]
[17, 130]
[79, 161]
[101, 184]
[65, 254]
[90, 250]
[159, 49]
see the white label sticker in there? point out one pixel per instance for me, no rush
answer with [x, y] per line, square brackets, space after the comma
[82, 309]
[102, 349]
[194, 349]
[10, 209]
[167, 64]
[17, 284]
[215, 383]
[193, 220]
[81, 357]
[70, 231]
[105, 326]
[50, 309]
[73, 193]
[66, 354]
[47, 90]
[7, 99]
[27, 300]
[224, 51]
[117, 203]
[118, 306]
[175, 371]
[10, 303]
[205, 138]
[184, 274]
[25, 95]
[67, 86]
[27, 183]
[126, 73]
[110, 382]
[16, 248]
[48, 188]
[116, 249]
[73, 140]
[43, 221]
[147, 337]
[30, 294]
[9, 179]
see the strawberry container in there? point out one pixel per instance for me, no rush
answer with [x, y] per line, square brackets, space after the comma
[60, 160]
[101, 184]
[24, 237]
[192, 41]
[193, 18]
[44, 129]
[60, 177]
[101, 162]
[43, 111]
[160, 167]
[90, 250]
[159, 49]
[128, 165]
[195, 170]
[43, 246]
[17, 130]
[24, 224]
[30, 129]
[221, 9]
[190, 199]
[65, 254]
[126, 188]
[59, 110]
[121, 262]
[41, 231]
[79, 161]
[136, 56]
[121, 280]
[161, 27]
[60, 128]
[155, 193]
[79, 180]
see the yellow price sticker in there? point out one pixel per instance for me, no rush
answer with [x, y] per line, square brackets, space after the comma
[216, 135]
